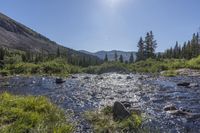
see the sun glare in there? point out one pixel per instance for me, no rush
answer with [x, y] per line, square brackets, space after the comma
[113, 3]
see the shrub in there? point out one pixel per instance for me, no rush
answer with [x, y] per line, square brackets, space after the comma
[4, 72]
[194, 63]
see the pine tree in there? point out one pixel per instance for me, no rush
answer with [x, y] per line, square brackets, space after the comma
[116, 56]
[23, 56]
[175, 51]
[2, 53]
[159, 56]
[121, 59]
[184, 51]
[141, 48]
[58, 52]
[28, 56]
[150, 45]
[106, 58]
[131, 59]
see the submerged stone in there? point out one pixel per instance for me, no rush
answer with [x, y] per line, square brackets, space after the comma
[170, 107]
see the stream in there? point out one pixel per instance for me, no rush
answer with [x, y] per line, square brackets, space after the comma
[83, 92]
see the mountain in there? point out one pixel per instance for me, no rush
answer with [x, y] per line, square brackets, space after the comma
[111, 54]
[15, 35]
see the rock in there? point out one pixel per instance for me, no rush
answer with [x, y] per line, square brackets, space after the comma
[119, 77]
[126, 104]
[179, 113]
[100, 78]
[185, 110]
[128, 77]
[170, 108]
[59, 81]
[86, 77]
[119, 111]
[74, 77]
[186, 84]
[193, 85]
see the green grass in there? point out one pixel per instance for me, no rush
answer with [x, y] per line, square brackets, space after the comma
[102, 122]
[170, 73]
[20, 114]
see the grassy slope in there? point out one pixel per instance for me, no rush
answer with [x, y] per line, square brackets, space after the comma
[19, 114]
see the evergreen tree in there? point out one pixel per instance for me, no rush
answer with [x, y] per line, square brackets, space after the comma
[131, 59]
[116, 56]
[23, 56]
[58, 52]
[176, 51]
[2, 53]
[159, 56]
[141, 48]
[150, 45]
[106, 58]
[121, 59]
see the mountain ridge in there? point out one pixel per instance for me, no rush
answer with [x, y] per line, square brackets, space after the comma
[101, 54]
[14, 35]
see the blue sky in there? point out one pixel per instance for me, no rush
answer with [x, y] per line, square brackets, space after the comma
[95, 25]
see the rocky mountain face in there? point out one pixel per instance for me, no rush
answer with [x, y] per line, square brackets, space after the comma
[111, 54]
[15, 35]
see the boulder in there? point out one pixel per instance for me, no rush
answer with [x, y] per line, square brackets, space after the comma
[100, 78]
[119, 111]
[74, 77]
[170, 107]
[193, 85]
[128, 77]
[185, 84]
[119, 77]
[59, 81]
[86, 77]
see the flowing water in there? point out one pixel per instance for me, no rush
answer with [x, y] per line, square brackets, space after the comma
[83, 92]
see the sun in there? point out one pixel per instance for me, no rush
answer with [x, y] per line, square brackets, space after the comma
[113, 3]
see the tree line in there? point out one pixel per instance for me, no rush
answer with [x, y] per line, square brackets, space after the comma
[32, 57]
[188, 50]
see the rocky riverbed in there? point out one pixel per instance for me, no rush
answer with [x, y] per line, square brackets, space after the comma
[170, 106]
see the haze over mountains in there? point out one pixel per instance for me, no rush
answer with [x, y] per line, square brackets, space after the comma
[14, 35]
